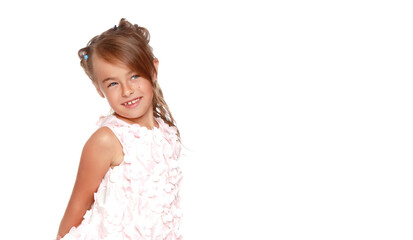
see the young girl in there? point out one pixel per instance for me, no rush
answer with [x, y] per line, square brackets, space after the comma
[128, 182]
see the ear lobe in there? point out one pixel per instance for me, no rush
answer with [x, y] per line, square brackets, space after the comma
[156, 63]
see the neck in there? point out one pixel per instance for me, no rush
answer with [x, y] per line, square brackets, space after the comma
[147, 121]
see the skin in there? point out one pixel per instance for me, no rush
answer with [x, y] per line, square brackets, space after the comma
[118, 84]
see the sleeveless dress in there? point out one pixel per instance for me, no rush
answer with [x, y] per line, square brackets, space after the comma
[139, 199]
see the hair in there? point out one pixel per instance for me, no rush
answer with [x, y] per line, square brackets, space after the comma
[129, 44]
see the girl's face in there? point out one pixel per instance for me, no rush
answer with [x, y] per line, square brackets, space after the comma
[129, 94]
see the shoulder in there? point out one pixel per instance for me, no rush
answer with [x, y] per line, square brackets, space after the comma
[97, 157]
[103, 142]
[102, 137]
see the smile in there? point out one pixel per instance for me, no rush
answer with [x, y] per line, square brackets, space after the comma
[132, 102]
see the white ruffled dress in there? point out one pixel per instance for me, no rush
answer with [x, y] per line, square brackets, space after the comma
[139, 199]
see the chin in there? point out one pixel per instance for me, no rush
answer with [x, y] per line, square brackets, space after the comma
[130, 115]
[137, 113]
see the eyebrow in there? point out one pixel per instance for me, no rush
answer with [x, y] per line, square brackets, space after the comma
[107, 79]
[112, 78]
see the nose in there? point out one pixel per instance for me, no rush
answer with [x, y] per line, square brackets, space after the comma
[127, 90]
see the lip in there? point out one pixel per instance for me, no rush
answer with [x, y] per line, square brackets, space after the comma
[133, 104]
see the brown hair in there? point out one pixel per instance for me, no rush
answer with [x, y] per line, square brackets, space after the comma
[129, 44]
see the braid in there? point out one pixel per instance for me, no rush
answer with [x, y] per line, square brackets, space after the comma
[160, 108]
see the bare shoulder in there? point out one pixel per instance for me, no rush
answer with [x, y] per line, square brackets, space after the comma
[98, 155]
[103, 137]
[105, 145]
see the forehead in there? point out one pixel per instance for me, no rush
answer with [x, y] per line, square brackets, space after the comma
[104, 69]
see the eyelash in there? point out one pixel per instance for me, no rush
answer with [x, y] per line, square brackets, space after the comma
[111, 84]
[114, 83]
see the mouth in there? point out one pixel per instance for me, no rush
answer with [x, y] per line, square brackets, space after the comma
[132, 102]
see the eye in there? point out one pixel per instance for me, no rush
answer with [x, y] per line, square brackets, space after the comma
[135, 77]
[112, 84]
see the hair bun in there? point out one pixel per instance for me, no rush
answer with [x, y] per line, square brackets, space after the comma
[127, 27]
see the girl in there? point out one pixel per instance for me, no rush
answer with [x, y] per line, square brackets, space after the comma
[128, 182]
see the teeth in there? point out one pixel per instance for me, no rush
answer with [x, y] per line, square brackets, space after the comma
[132, 102]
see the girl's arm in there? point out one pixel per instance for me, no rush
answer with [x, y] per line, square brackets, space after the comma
[99, 152]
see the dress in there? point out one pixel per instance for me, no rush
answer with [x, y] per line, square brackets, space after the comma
[139, 199]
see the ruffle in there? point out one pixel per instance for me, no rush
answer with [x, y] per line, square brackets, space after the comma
[139, 199]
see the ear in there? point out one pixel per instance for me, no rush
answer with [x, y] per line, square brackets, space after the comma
[98, 89]
[156, 63]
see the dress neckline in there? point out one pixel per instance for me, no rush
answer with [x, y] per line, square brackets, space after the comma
[158, 120]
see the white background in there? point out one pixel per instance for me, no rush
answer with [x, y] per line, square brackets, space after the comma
[297, 115]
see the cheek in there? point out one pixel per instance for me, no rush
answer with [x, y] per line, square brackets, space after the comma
[110, 95]
[146, 87]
